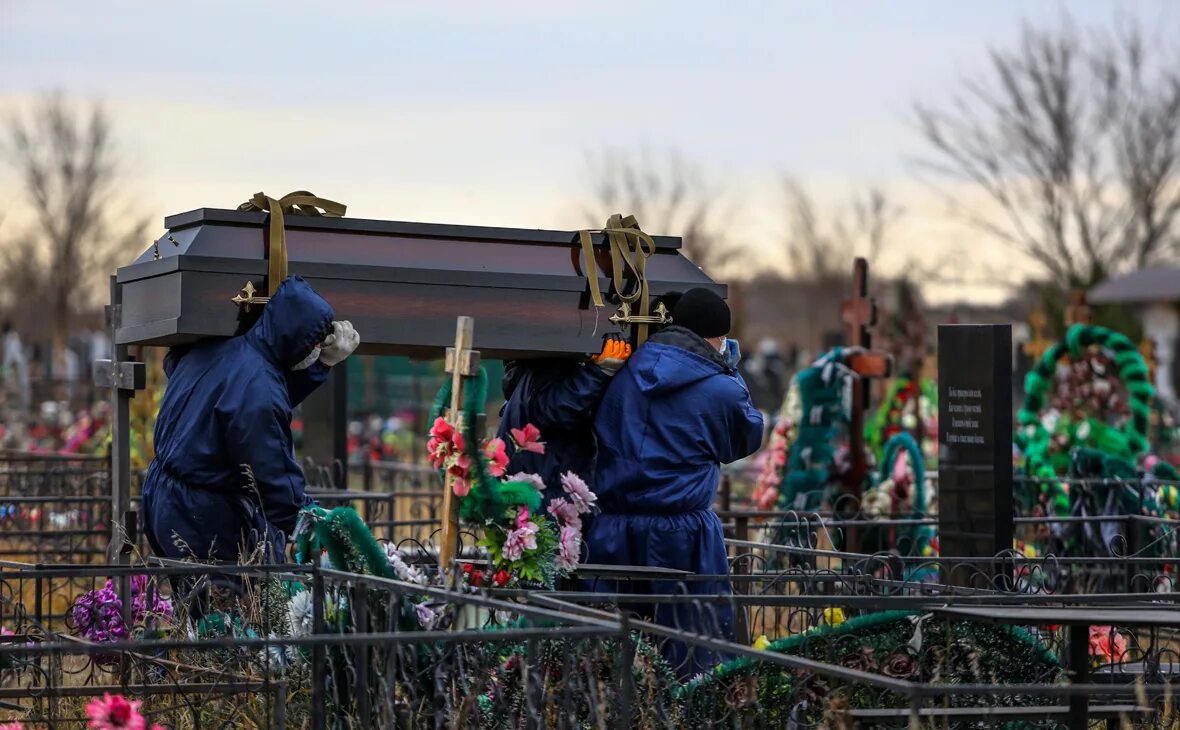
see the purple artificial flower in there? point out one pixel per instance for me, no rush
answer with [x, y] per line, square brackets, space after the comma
[579, 492]
[520, 540]
[427, 616]
[569, 548]
[565, 512]
[536, 481]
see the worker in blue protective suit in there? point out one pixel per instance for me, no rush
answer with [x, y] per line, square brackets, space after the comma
[674, 414]
[224, 481]
[559, 397]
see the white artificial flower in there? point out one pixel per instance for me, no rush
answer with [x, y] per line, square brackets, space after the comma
[299, 613]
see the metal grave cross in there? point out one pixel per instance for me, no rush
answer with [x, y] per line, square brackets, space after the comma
[1038, 344]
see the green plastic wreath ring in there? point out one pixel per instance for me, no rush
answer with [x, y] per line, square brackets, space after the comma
[1132, 371]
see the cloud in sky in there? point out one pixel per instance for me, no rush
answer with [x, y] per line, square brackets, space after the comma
[482, 112]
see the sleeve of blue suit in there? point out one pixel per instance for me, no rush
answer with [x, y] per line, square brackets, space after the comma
[257, 431]
[745, 425]
[570, 401]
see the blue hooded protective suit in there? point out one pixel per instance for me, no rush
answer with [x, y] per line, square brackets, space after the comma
[559, 397]
[228, 407]
[674, 413]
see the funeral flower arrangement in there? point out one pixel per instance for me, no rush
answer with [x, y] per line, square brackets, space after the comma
[98, 615]
[524, 546]
[899, 644]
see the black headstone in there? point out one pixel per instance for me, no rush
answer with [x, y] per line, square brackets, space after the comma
[975, 448]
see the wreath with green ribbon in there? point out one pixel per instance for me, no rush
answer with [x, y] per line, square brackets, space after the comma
[825, 390]
[888, 421]
[899, 644]
[1042, 441]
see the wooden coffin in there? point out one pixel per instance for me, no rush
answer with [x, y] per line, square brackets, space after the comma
[401, 284]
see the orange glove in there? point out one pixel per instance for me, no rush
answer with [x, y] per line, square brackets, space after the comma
[615, 351]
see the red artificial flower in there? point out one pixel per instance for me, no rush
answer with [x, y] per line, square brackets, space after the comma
[468, 567]
[501, 578]
[476, 578]
[528, 439]
[497, 457]
[441, 430]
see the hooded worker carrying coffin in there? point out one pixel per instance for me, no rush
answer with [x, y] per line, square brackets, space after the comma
[401, 284]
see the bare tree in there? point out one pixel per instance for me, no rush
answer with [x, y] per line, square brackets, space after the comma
[821, 247]
[1075, 145]
[69, 170]
[668, 195]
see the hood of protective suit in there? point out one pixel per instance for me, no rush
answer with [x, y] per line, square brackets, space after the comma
[293, 322]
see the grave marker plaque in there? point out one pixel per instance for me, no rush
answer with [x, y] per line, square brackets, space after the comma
[975, 447]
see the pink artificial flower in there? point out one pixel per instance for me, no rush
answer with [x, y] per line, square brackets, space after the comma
[766, 499]
[497, 457]
[1106, 643]
[12, 726]
[901, 474]
[569, 548]
[114, 712]
[457, 440]
[461, 487]
[565, 513]
[778, 458]
[578, 492]
[533, 479]
[522, 517]
[528, 439]
[5, 631]
[520, 540]
[460, 467]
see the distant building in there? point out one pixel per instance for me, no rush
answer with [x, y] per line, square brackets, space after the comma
[1155, 292]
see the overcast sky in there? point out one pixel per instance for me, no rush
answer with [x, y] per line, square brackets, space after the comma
[483, 112]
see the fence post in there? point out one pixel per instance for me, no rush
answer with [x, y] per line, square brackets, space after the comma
[626, 676]
[361, 654]
[280, 705]
[318, 658]
[532, 687]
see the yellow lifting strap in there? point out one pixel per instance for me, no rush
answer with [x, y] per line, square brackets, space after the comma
[299, 202]
[629, 248]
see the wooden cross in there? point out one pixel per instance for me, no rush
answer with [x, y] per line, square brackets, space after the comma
[461, 361]
[1078, 311]
[859, 312]
[1038, 344]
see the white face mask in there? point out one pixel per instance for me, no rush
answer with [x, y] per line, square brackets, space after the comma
[306, 362]
[721, 347]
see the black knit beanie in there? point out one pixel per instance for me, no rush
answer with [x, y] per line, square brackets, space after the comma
[703, 312]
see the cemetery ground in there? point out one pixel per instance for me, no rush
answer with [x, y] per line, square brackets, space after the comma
[827, 636]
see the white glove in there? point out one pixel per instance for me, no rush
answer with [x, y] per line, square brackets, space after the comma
[340, 344]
